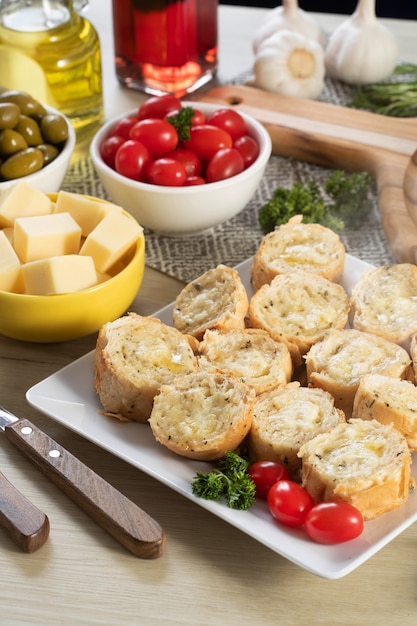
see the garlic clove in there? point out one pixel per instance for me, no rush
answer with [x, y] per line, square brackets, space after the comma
[361, 50]
[288, 16]
[290, 64]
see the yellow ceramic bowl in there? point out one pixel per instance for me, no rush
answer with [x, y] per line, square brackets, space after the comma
[70, 316]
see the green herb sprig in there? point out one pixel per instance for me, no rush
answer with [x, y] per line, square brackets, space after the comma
[229, 480]
[182, 122]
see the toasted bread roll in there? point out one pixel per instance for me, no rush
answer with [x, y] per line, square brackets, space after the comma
[389, 401]
[299, 308]
[384, 302]
[217, 299]
[134, 355]
[297, 247]
[361, 462]
[342, 357]
[251, 355]
[202, 416]
[413, 354]
[287, 417]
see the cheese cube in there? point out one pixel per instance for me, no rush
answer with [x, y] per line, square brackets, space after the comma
[110, 240]
[43, 236]
[59, 275]
[10, 268]
[23, 200]
[86, 211]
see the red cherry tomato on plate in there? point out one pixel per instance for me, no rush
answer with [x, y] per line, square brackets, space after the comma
[109, 147]
[123, 126]
[132, 159]
[157, 135]
[167, 172]
[225, 163]
[158, 106]
[333, 522]
[189, 159]
[265, 474]
[248, 148]
[229, 120]
[289, 503]
[205, 140]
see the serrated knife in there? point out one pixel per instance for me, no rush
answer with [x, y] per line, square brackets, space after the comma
[132, 527]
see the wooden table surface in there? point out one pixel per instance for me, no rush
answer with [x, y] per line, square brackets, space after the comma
[211, 572]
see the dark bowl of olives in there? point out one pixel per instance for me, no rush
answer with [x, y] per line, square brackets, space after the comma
[36, 143]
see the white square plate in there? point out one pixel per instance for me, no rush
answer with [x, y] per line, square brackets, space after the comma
[69, 398]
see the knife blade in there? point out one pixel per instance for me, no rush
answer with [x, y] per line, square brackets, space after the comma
[25, 524]
[132, 527]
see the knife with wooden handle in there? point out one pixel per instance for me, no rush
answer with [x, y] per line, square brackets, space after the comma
[132, 527]
[25, 524]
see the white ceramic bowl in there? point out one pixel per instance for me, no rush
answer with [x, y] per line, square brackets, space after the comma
[181, 211]
[49, 178]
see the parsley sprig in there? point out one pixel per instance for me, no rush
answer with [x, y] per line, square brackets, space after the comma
[229, 480]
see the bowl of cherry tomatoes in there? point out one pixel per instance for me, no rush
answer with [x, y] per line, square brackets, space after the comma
[181, 167]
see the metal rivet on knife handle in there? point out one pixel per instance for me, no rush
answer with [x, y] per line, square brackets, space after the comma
[132, 527]
[25, 524]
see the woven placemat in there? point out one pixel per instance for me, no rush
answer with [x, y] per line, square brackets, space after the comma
[185, 258]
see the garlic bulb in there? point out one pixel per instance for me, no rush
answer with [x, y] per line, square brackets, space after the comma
[361, 50]
[288, 17]
[291, 64]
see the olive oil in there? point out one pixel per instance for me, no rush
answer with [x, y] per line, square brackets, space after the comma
[54, 54]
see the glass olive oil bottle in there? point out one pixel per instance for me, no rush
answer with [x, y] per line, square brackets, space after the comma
[52, 52]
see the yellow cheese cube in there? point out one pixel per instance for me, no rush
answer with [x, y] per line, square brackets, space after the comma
[23, 200]
[86, 212]
[10, 268]
[59, 275]
[43, 236]
[8, 231]
[110, 240]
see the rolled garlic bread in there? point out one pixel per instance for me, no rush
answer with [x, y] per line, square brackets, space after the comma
[337, 362]
[215, 300]
[362, 462]
[384, 302]
[251, 355]
[202, 415]
[287, 417]
[389, 401]
[299, 308]
[298, 247]
[134, 356]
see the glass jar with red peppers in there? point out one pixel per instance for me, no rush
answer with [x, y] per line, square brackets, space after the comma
[165, 46]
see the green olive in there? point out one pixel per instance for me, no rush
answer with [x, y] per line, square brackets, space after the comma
[54, 128]
[25, 102]
[29, 130]
[49, 152]
[9, 115]
[11, 142]
[22, 164]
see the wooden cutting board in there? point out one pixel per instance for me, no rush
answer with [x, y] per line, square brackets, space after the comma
[339, 137]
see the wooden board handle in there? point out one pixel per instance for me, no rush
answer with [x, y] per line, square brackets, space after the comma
[137, 531]
[25, 524]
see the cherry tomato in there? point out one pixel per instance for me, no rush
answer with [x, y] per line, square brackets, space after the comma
[109, 147]
[132, 159]
[265, 474]
[289, 503]
[226, 163]
[166, 172]
[248, 148]
[205, 140]
[194, 180]
[229, 120]
[188, 158]
[123, 126]
[333, 522]
[158, 106]
[157, 135]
